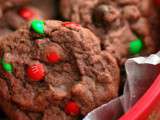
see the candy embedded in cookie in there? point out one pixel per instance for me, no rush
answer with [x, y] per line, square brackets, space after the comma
[72, 25]
[16, 17]
[38, 26]
[136, 46]
[6, 4]
[53, 53]
[26, 13]
[36, 72]
[55, 71]
[6, 66]
[115, 23]
[72, 108]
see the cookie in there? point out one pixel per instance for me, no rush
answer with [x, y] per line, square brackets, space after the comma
[55, 70]
[125, 27]
[47, 6]
[5, 4]
[16, 17]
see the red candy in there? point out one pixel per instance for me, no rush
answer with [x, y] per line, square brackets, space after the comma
[71, 25]
[72, 108]
[26, 13]
[36, 72]
[53, 57]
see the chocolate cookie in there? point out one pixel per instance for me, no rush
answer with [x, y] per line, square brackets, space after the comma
[5, 4]
[124, 26]
[54, 70]
[47, 6]
[16, 17]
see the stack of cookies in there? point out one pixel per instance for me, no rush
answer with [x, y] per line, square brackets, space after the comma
[59, 60]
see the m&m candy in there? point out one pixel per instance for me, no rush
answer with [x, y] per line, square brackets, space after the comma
[53, 57]
[38, 26]
[36, 72]
[7, 67]
[26, 13]
[135, 46]
[71, 25]
[72, 108]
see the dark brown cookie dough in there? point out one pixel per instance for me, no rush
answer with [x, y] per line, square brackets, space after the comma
[59, 72]
[117, 23]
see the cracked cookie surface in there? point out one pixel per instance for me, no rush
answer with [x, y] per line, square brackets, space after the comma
[117, 23]
[56, 71]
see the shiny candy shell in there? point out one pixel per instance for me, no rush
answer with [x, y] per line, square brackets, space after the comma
[72, 108]
[36, 72]
[7, 67]
[38, 26]
[135, 46]
[71, 25]
[53, 57]
[26, 13]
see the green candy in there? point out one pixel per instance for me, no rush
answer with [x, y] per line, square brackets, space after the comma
[136, 46]
[7, 67]
[38, 26]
